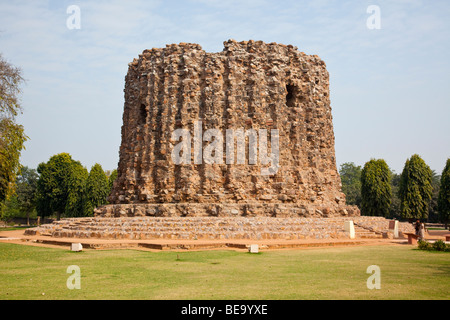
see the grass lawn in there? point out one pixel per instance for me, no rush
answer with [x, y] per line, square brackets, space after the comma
[328, 273]
[15, 228]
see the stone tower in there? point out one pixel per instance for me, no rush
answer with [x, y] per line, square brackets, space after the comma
[247, 88]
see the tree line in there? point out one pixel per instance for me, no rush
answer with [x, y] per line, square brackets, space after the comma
[61, 187]
[12, 135]
[417, 193]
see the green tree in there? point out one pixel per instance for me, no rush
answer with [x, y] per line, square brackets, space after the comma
[12, 136]
[375, 188]
[112, 177]
[12, 139]
[97, 189]
[10, 208]
[351, 182]
[415, 190]
[433, 212]
[395, 200]
[76, 197]
[26, 186]
[444, 195]
[58, 188]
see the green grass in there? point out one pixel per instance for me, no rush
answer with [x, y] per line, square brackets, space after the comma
[328, 273]
[15, 228]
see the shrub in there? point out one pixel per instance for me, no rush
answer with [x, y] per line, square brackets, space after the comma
[424, 245]
[439, 245]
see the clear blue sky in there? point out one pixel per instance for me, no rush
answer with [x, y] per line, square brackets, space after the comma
[390, 87]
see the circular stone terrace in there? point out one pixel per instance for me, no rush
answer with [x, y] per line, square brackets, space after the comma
[211, 232]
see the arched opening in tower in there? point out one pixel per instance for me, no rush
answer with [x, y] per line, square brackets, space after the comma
[290, 96]
[142, 114]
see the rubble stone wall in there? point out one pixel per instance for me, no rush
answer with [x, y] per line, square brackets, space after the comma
[248, 85]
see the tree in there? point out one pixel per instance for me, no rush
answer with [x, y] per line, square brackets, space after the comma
[395, 200]
[444, 195]
[76, 197]
[12, 139]
[112, 177]
[22, 203]
[59, 188]
[433, 213]
[97, 189]
[10, 208]
[12, 136]
[415, 189]
[351, 182]
[10, 80]
[26, 185]
[375, 188]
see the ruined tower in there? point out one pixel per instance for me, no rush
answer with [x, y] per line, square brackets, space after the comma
[248, 87]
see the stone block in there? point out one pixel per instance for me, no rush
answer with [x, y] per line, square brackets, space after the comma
[349, 227]
[393, 228]
[76, 247]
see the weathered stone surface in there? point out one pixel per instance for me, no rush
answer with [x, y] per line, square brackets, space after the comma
[249, 85]
[256, 228]
[350, 229]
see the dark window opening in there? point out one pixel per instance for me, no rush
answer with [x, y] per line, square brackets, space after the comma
[142, 114]
[290, 96]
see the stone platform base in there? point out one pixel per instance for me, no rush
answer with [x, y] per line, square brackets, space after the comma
[214, 228]
[291, 210]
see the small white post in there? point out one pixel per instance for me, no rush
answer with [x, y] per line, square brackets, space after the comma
[350, 228]
[253, 248]
[393, 227]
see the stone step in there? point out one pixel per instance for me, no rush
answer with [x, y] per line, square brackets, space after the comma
[212, 228]
[190, 236]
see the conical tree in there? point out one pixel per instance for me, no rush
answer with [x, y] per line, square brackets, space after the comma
[97, 189]
[75, 198]
[111, 179]
[375, 188]
[444, 195]
[415, 189]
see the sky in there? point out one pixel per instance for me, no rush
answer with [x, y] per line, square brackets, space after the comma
[389, 85]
